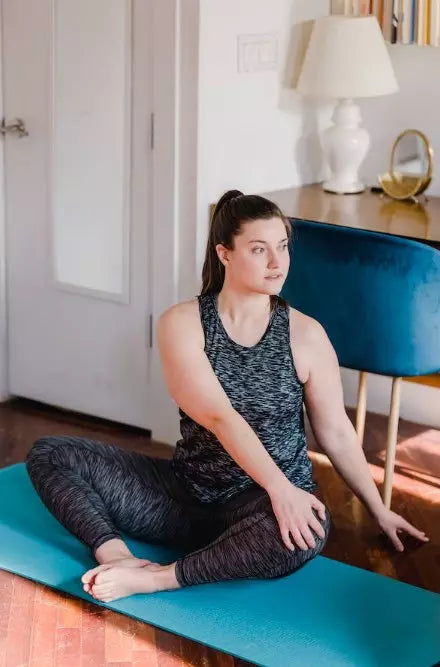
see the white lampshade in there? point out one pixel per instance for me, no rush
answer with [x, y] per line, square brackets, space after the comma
[347, 58]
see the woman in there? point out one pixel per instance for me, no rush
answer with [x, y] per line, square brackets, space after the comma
[239, 494]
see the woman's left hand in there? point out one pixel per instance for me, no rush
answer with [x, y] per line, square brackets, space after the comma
[392, 523]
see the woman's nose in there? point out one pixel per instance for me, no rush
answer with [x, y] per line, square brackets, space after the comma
[274, 261]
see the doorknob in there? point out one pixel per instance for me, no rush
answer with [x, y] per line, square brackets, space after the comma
[17, 128]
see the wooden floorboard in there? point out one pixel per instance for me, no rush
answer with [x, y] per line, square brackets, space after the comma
[46, 628]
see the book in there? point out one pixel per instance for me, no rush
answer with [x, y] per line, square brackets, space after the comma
[413, 21]
[398, 11]
[406, 21]
[377, 10]
[337, 7]
[427, 34]
[434, 36]
[394, 21]
[420, 22]
[346, 7]
[387, 19]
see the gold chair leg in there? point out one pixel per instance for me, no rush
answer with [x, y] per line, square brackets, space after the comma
[361, 407]
[393, 422]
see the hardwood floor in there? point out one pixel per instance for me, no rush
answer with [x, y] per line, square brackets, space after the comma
[44, 628]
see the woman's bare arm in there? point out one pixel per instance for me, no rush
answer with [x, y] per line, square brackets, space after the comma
[195, 388]
[323, 398]
[333, 430]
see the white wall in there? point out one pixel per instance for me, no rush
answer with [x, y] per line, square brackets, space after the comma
[251, 125]
[416, 105]
[257, 134]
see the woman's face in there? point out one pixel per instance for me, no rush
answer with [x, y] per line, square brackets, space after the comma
[260, 252]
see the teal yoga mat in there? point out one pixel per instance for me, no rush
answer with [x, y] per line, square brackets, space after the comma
[327, 613]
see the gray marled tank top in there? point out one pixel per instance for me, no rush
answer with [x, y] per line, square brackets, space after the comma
[262, 385]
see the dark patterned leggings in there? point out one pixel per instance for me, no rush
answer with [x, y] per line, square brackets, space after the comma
[96, 490]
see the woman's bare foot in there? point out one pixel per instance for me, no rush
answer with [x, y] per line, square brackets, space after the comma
[127, 562]
[112, 549]
[115, 581]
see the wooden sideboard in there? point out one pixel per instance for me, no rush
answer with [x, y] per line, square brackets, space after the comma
[367, 210]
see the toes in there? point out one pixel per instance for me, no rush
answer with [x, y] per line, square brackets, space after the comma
[91, 573]
[103, 593]
[104, 576]
[100, 590]
[88, 588]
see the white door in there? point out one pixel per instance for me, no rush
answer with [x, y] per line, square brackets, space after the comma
[78, 221]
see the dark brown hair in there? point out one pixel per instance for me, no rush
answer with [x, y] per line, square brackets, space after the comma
[232, 210]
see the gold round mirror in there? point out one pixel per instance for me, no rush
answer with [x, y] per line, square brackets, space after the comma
[410, 170]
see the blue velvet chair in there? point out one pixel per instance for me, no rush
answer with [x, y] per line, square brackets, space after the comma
[378, 298]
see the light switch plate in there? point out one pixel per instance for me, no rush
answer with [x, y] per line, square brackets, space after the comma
[256, 53]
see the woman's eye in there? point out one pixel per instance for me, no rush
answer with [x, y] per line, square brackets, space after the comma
[260, 248]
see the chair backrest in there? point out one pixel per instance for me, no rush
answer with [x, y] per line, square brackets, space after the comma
[376, 295]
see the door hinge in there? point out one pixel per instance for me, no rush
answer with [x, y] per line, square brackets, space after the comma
[152, 131]
[149, 335]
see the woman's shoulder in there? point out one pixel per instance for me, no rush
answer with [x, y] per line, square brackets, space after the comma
[185, 309]
[305, 333]
[303, 325]
[186, 315]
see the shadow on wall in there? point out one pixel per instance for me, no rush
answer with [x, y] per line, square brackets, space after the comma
[307, 150]
[307, 153]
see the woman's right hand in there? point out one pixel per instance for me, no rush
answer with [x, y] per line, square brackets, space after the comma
[293, 508]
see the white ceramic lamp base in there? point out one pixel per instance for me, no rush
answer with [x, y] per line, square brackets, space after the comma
[345, 145]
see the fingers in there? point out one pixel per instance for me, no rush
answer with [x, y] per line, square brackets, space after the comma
[411, 530]
[320, 507]
[300, 523]
[302, 535]
[403, 525]
[308, 537]
[392, 534]
[286, 538]
[299, 538]
[317, 527]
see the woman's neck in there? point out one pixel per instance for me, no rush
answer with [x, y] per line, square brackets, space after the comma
[239, 307]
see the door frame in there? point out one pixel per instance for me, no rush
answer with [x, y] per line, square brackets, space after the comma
[174, 170]
[173, 190]
[4, 394]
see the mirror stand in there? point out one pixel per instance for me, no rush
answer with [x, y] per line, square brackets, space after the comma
[410, 169]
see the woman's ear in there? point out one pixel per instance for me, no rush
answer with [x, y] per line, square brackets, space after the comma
[222, 253]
